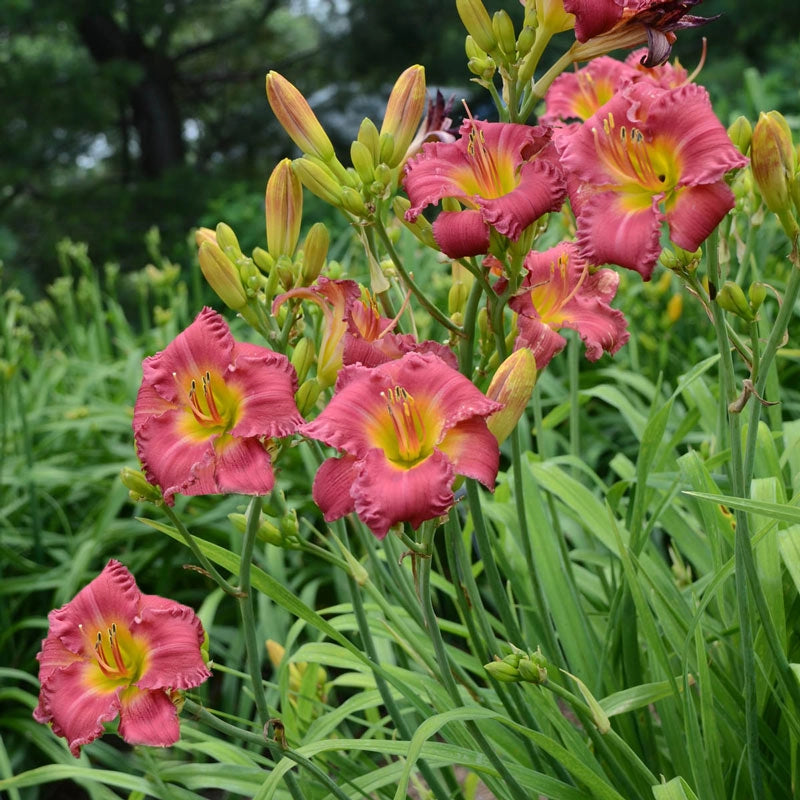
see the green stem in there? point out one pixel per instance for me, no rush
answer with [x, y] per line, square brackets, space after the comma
[742, 537]
[246, 609]
[445, 671]
[276, 751]
[543, 84]
[207, 566]
[418, 292]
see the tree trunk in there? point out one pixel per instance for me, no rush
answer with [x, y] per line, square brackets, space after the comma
[155, 113]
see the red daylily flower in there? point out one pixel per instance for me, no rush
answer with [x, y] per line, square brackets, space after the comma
[407, 428]
[559, 291]
[113, 651]
[205, 407]
[626, 23]
[646, 156]
[506, 175]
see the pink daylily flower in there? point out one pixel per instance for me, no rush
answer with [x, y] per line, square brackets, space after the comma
[206, 405]
[354, 332]
[113, 651]
[505, 175]
[579, 94]
[559, 291]
[666, 75]
[647, 156]
[406, 428]
[626, 23]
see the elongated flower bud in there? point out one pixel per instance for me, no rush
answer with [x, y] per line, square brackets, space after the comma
[773, 160]
[315, 251]
[731, 297]
[318, 180]
[136, 483]
[363, 162]
[740, 133]
[478, 23]
[222, 275]
[303, 357]
[297, 118]
[511, 385]
[404, 111]
[284, 209]
[503, 29]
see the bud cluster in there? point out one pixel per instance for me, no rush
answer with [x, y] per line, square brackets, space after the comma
[519, 666]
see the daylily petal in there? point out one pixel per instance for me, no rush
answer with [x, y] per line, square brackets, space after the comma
[610, 232]
[54, 656]
[541, 189]
[148, 718]
[461, 234]
[111, 597]
[470, 447]
[172, 459]
[540, 339]
[332, 483]
[696, 211]
[174, 636]
[76, 709]
[204, 345]
[414, 495]
[268, 383]
[240, 466]
[593, 17]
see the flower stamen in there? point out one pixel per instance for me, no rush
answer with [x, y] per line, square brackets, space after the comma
[409, 428]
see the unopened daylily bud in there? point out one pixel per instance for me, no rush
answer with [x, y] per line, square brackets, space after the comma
[757, 293]
[297, 118]
[353, 202]
[275, 651]
[368, 136]
[472, 50]
[361, 156]
[476, 20]
[252, 279]
[740, 133]
[674, 308]
[226, 239]
[511, 385]
[266, 531]
[404, 111]
[525, 40]
[484, 68]
[386, 148]
[421, 227]
[318, 179]
[315, 251]
[307, 395]
[731, 297]
[503, 29]
[303, 357]
[263, 260]
[533, 669]
[383, 177]
[552, 17]
[503, 672]
[136, 483]
[222, 276]
[284, 209]
[457, 297]
[773, 160]
[204, 235]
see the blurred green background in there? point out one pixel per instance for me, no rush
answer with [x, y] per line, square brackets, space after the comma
[120, 116]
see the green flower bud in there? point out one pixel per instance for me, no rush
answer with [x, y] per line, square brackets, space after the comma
[404, 111]
[315, 251]
[139, 488]
[266, 531]
[740, 133]
[307, 395]
[503, 672]
[732, 299]
[263, 260]
[303, 357]
[512, 385]
[525, 40]
[222, 276]
[368, 136]
[318, 179]
[757, 293]
[227, 241]
[353, 202]
[503, 29]
[475, 19]
[472, 50]
[361, 156]
[533, 669]
[421, 227]
[386, 150]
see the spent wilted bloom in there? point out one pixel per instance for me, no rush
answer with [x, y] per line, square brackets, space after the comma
[406, 429]
[112, 652]
[606, 25]
[206, 407]
[505, 175]
[647, 156]
[560, 291]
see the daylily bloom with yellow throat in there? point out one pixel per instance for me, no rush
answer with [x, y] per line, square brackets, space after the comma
[505, 175]
[113, 651]
[559, 291]
[647, 156]
[406, 428]
[206, 405]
